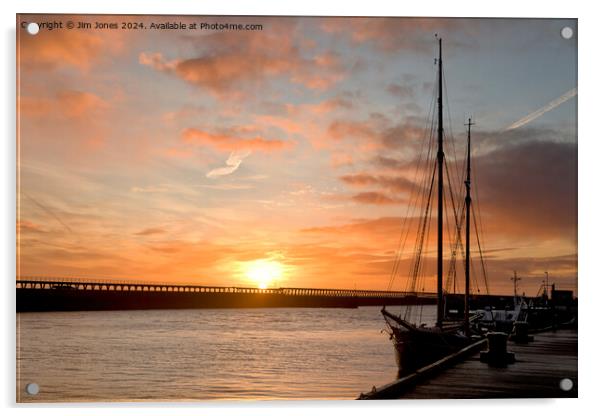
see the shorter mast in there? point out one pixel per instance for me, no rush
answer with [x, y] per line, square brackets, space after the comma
[468, 205]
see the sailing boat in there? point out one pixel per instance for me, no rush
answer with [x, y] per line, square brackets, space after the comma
[418, 345]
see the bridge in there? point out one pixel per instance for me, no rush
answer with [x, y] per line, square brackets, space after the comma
[132, 285]
[62, 293]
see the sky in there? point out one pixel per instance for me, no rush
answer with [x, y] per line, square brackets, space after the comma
[287, 156]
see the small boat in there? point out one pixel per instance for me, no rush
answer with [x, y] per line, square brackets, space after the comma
[503, 320]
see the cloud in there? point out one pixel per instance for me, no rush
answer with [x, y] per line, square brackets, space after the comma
[150, 231]
[232, 164]
[283, 123]
[540, 112]
[228, 186]
[75, 120]
[341, 129]
[338, 160]
[227, 142]
[339, 102]
[376, 198]
[395, 183]
[392, 163]
[393, 34]
[29, 227]
[378, 132]
[72, 104]
[229, 63]
[78, 104]
[408, 136]
[529, 189]
[149, 189]
[79, 49]
[401, 91]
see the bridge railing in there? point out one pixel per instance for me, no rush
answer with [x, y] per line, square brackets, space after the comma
[139, 286]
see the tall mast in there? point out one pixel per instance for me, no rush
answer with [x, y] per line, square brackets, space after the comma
[468, 203]
[440, 156]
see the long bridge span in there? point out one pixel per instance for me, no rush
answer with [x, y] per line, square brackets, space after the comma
[68, 294]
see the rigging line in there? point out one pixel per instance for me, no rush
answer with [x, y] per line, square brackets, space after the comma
[452, 196]
[409, 283]
[458, 235]
[401, 246]
[419, 247]
[421, 235]
[456, 189]
[458, 242]
[426, 239]
[454, 252]
[403, 239]
[459, 245]
[424, 188]
[451, 265]
[451, 132]
[459, 186]
[455, 242]
[481, 255]
[422, 271]
[474, 277]
[481, 228]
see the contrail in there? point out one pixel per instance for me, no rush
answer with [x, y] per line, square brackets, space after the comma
[49, 212]
[549, 106]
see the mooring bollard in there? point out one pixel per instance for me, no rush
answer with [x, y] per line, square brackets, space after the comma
[497, 353]
[520, 334]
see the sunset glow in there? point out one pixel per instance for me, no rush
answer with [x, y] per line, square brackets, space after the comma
[237, 157]
[263, 273]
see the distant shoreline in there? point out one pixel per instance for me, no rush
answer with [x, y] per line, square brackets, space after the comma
[55, 300]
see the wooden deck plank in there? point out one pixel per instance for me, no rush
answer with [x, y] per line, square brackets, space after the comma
[539, 367]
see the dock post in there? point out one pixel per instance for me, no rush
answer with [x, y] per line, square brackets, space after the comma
[497, 354]
[520, 333]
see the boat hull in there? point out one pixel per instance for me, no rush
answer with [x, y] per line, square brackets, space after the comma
[416, 347]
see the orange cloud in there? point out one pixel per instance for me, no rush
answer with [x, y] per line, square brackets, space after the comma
[376, 198]
[378, 129]
[396, 183]
[340, 129]
[283, 123]
[78, 103]
[225, 142]
[66, 103]
[80, 49]
[330, 105]
[28, 226]
[229, 62]
[150, 231]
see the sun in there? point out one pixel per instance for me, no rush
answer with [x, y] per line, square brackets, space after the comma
[263, 272]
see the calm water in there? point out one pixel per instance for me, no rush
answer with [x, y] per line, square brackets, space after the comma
[235, 354]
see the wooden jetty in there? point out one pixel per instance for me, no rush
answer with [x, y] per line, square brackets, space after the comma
[539, 368]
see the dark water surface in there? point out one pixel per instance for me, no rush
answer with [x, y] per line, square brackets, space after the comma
[203, 354]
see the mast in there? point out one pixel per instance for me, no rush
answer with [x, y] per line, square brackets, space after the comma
[515, 280]
[467, 267]
[440, 156]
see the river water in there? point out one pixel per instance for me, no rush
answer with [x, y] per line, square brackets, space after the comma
[203, 354]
